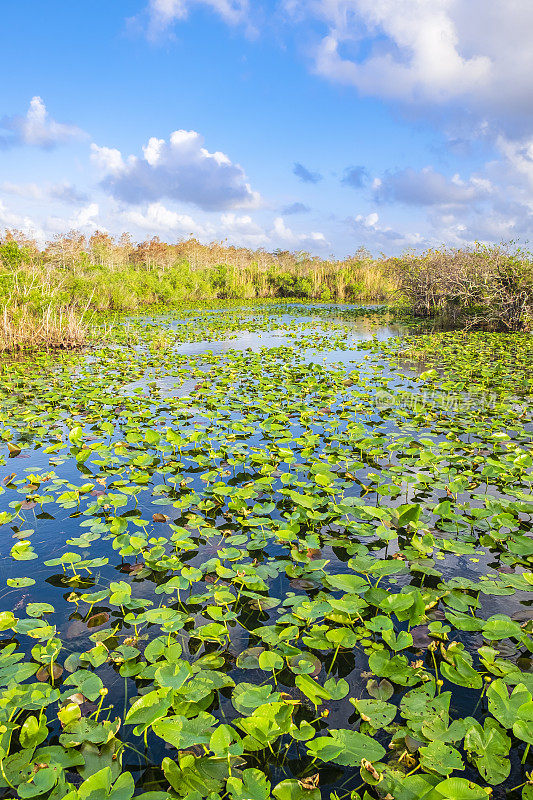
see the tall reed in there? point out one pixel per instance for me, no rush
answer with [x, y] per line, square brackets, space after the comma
[46, 292]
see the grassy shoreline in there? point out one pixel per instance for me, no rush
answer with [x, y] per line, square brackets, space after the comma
[46, 294]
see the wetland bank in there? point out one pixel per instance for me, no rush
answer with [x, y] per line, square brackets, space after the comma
[273, 550]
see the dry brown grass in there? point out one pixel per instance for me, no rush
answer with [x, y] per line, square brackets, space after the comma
[22, 329]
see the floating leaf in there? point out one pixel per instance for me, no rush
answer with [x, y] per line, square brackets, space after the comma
[346, 748]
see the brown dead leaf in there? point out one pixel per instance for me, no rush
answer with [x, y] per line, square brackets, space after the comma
[370, 768]
[310, 783]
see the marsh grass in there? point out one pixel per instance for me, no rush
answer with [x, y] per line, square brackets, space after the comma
[44, 293]
[34, 312]
[22, 329]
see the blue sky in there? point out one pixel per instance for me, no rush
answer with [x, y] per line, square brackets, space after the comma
[318, 125]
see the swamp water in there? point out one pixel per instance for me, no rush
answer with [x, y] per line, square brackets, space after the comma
[278, 550]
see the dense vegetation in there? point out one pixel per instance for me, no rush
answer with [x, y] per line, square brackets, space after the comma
[486, 288]
[47, 295]
[267, 554]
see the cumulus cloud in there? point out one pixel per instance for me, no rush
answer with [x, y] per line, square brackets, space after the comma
[63, 192]
[87, 217]
[416, 54]
[491, 205]
[37, 129]
[11, 220]
[504, 213]
[495, 204]
[306, 175]
[243, 230]
[239, 229]
[502, 221]
[87, 220]
[465, 64]
[356, 177]
[475, 53]
[368, 230]
[427, 187]
[284, 235]
[295, 208]
[181, 169]
[157, 218]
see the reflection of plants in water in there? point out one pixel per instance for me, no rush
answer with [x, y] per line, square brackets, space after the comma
[293, 580]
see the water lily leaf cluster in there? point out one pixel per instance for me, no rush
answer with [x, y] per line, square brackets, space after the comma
[280, 551]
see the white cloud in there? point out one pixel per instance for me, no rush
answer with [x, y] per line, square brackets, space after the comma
[505, 211]
[157, 218]
[181, 169]
[502, 222]
[87, 217]
[84, 220]
[282, 233]
[37, 128]
[463, 64]
[21, 222]
[242, 230]
[429, 51]
[107, 159]
[370, 232]
[421, 60]
[370, 221]
[30, 191]
[87, 220]
[66, 193]
[146, 220]
[493, 204]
